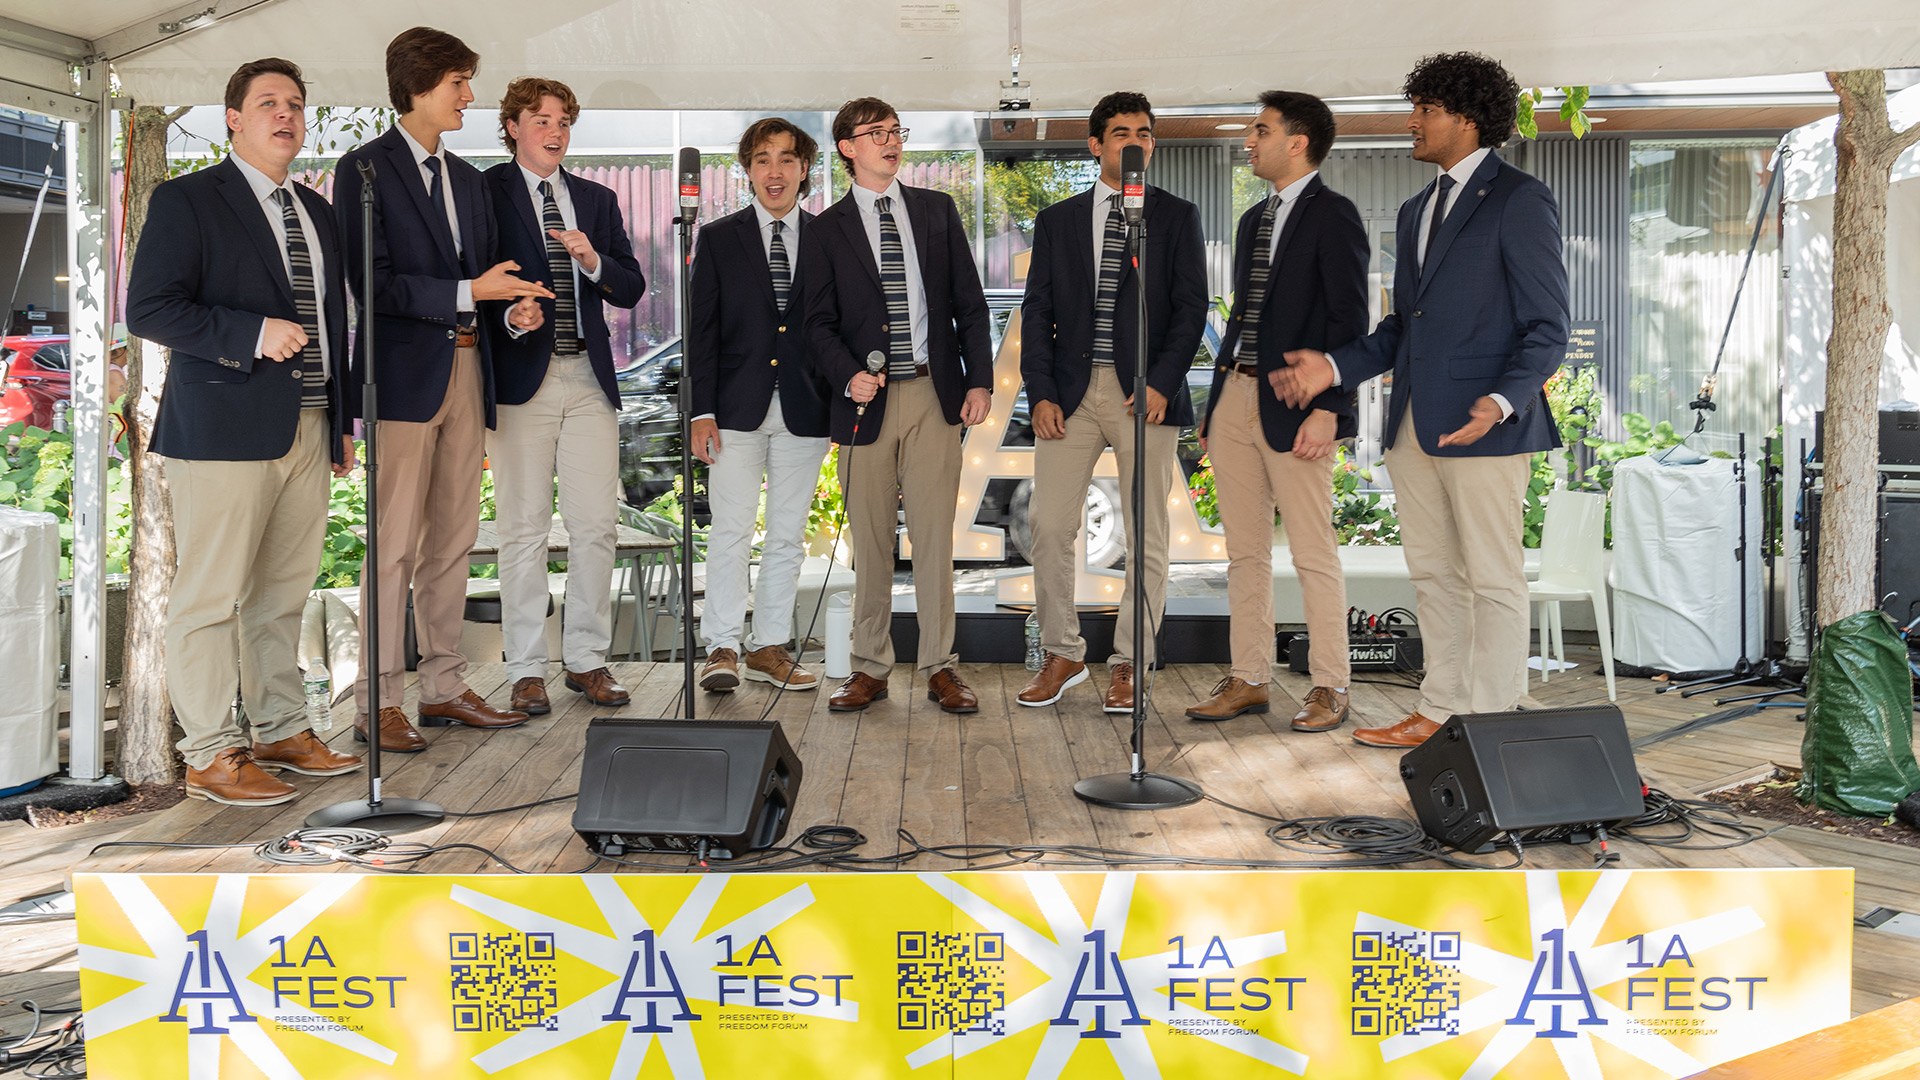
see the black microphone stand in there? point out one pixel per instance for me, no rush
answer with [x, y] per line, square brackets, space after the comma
[683, 226]
[392, 815]
[1139, 789]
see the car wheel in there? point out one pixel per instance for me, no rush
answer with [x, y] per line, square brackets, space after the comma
[1106, 536]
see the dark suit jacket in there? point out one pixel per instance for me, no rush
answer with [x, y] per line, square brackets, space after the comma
[1056, 314]
[207, 273]
[847, 312]
[1316, 299]
[740, 346]
[520, 364]
[415, 275]
[1485, 314]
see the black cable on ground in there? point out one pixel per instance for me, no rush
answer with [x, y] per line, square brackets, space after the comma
[50, 1055]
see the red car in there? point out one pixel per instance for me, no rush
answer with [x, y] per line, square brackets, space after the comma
[35, 380]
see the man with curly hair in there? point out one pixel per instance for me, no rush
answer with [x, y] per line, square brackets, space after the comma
[1479, 324]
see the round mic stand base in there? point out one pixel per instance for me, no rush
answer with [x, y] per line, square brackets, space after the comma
[1147, 791]
[387, 815]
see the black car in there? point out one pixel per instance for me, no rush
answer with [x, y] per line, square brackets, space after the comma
[650, 423]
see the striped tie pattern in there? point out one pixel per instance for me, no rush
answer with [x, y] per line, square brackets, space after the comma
[893, 282]
[1249, 351]
[313, 378]
[566, 318]
[1106, 297]
[778, 266]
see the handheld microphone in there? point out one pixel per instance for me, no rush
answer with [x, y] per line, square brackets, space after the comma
[689, 184]
[1133, 183]
[876, 363]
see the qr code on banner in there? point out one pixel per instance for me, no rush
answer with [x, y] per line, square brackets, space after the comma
[952, 982]
[502, 982]
[1405, 983]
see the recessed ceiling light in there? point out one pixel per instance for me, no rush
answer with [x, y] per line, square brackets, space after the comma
[1229, 127]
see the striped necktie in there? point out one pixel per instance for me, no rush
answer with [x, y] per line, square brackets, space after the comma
[1106, 298]
[893, 282]
[1257, 274]
[566, 317]
[778, 266]
[313, 377]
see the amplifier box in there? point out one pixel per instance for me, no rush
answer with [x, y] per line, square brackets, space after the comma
[1366, 652]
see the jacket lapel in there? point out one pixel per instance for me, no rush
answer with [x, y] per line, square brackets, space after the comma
[1080, 245]
[1469, 198]
[407, 170]
[1301, 208]
[855, 232]
[922, 224]
[253, 218]
[514, 187]
[752, 249]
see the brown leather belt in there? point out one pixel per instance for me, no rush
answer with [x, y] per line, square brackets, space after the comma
[1251, 371]
[466, 338]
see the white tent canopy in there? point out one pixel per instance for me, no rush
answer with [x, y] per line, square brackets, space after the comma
[954, 54]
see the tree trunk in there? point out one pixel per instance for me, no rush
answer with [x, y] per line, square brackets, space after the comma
[1867, 146]
[146, 711]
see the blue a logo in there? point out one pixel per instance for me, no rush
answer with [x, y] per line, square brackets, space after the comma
[1101, 961]
[1568, 985]
[204, 991]
[656, 961]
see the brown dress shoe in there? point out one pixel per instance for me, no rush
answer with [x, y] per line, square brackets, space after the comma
[1119, 699]
[530, 696]
[857, 693]
[774, 664]
[945, 687]
[598, 686]
[232, 778]
[303, 753]
[721, 673]
[1404, 735]
[1324, 710]
[1055, 677]
[1233, 697]
[470, 709]
[396, 735]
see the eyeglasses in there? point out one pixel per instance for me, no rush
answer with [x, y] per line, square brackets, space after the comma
[883, 136]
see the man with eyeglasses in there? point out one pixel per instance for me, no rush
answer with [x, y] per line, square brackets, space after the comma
[889, 277]
[1079, 339]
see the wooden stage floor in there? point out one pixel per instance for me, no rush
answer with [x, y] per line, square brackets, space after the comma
[1003, 776]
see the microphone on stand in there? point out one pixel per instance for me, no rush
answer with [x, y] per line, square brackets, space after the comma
[876, 362]
[1133, 183]
[689, 184]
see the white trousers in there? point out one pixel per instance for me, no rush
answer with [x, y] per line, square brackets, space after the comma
[568, 429]
[789, 466]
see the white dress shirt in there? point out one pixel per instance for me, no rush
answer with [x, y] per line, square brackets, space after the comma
[562, 198]
[463, 301]
[916, 288]
[263, 189]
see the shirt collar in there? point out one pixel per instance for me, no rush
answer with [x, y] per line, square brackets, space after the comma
[262, 185]
[1463, 169]
[1102, 194]
[1292, 191]
[534, 180]
[865, 196]
[420, 154]
[765, 217]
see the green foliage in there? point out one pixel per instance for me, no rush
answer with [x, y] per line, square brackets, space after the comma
[1206, 501]
[1360, 517]
[825, 515]
[329, 128]
[1573, 110]
[342, 551]
[36, 473]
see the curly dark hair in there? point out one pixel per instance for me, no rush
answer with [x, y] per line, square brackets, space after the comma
[1469, 85]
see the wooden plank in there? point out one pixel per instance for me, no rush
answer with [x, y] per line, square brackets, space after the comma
[1883, 1043]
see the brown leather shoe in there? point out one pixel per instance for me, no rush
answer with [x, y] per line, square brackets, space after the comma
[721, 673]
[530, 696]
[857, 693]
[470, 709]
[232, 778]
[945, 687]
[396, 735]
[1054, 678]
[303, 753]
[1406, 734]
[598, 686]
[1119, 699]
[1233, 697]
[774, 664]
[1324, 710]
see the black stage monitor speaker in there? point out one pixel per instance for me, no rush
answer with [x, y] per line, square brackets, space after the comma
[716, 788]
[1492, 773]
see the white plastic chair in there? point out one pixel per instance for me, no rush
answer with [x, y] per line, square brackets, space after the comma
[1573, 567]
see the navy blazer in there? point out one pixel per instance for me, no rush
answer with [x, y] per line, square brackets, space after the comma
[207, 273]
[1056, 313]
[1316, 299]
[1486, 313]
[741, 347]
[416, 275]
[847, 312]
[520, 363]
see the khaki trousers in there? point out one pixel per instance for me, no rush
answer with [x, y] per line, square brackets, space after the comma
[248, 537]
[1062, 469]
[1460, 523]
[429, 514]
[1252, 480]
[915, 463]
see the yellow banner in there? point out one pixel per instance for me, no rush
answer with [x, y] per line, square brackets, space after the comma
[1619, 973]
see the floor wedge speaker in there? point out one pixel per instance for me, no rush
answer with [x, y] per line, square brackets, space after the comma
[713, 788]
[1491, 773]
